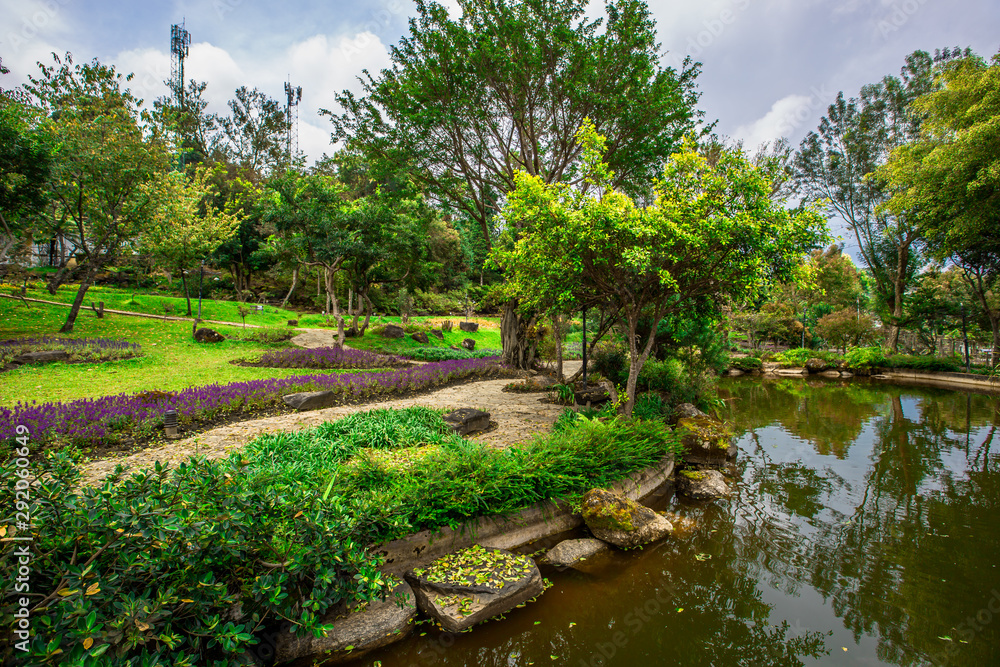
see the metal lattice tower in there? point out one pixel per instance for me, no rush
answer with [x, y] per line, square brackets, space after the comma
[293, 97]
[180, 43]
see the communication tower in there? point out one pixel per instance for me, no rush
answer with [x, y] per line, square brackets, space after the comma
[180, 43]
[293, 97]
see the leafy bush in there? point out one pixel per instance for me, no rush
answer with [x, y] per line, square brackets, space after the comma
[746, 364]
[865, 357]
[649, 406]
[946, 364]
[611, 361]
[181, 568]
[79, 349]
[799, 356]
[676, 381]
[446, 354]
[846, 327]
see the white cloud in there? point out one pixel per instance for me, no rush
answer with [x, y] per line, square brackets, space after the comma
[785, 116]
[29, 34]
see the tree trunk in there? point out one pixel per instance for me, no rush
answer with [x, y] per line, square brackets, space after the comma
[74, 310]
[295, 282]
[187, 295]
[518, 350]
[557, 332]
[637, 359]
[368, 314]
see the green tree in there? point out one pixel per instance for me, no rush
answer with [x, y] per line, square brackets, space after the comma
[103, 165]
[470, 102]
[835, 165]
[712, 231]
[948, 179]
[846, 327]
[26, 149]
[185, 227]
[255, 131]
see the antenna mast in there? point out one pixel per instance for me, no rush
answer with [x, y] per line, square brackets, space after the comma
[293, 97]
[180, 43]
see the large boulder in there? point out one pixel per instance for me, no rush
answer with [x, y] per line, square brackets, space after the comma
[702, 484]
[469, 344]
[473, 585]
[817, 365]
[377, 624]
[311, 400]
[570, 553]
[468, 327]
[393, 331]
[615, 519]
[706, 441]
[592, 394]
[468, 420]
[42, 357]
[437, 334]
[798, 370]
[420, 337]
[684, 411]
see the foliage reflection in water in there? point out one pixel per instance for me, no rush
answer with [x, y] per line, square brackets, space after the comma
[863, 530]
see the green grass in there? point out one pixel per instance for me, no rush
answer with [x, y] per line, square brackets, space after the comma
[172, 359]
[488, 336]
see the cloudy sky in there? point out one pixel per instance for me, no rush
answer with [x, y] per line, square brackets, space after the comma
[770, 67]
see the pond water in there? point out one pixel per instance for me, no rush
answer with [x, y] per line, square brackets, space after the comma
[864, 530]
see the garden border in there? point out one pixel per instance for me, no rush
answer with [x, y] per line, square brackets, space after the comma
[544, 519]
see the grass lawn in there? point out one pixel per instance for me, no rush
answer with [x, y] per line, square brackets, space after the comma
[171, 358]
[487, 337]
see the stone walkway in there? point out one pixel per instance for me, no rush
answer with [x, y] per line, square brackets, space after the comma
[519, 417]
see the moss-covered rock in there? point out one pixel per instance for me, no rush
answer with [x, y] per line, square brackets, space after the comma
[622, 522]
[706, 441]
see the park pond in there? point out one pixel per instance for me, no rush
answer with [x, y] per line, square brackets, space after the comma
[862, 531]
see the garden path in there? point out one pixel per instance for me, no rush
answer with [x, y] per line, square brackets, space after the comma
[519, 416]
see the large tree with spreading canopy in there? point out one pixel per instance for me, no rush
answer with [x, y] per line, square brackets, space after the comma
[471, 101]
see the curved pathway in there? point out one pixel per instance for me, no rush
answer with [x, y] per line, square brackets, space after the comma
[518, 417]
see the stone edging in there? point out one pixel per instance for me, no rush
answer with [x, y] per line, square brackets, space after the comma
[941, 379]
[507, 532]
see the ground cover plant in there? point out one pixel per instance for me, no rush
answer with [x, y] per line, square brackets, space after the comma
[325, 357]
[92, 350]
[109, 421]
[197, 565]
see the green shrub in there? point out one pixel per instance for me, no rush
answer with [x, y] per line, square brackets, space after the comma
[799, 356]
[946, 364]
[447, 354]
[676, 381]
[746, 364]
[865, 357]
[649, 406]
[267, 335]
[611, 361]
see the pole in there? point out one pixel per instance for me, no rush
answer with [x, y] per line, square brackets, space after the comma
[965, 339]
[803, 327]
[201, 278]
[584, 347]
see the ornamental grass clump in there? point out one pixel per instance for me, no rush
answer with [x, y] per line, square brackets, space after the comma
[79, 349]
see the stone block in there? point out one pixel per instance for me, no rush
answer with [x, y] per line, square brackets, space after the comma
[469, 344]
[420, 337]
[393, 331]
[42, 357]
[468, 327]
[311, 400]
[468, 420]
[569, 553]
[626, 524]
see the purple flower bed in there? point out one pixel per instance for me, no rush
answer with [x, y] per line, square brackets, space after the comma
[327, 357]
[95, 420]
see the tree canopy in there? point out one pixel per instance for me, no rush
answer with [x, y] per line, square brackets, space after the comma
[711, 231]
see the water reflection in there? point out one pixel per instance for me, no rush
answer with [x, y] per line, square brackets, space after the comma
[863, 531]
[902, 538]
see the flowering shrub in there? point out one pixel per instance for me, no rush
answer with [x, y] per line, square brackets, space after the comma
[91, 421]
[327, 357]
[79, 349]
